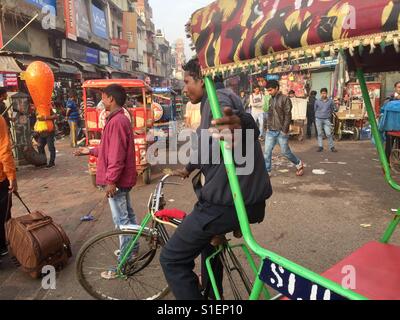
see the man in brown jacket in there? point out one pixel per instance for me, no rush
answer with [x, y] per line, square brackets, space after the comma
[8, 182]
[279, 119]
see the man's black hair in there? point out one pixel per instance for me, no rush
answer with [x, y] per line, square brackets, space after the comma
[324, 90]
[3, 91]
[396, 84]
[313, 93]
[193, 68]
[117, 92]
[272, 84]
[292, 92]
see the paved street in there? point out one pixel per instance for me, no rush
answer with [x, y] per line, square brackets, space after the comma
[314, 220]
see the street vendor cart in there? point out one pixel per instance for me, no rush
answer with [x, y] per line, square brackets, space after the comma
[245, 36]
[137, 109]
[349, 122]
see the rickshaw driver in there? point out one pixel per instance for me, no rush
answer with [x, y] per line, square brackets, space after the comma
[214, 214]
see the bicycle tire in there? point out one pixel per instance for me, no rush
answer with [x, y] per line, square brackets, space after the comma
[129, 274]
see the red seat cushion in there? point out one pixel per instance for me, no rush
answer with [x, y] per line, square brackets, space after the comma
[167, 214]
[377, 268]
[394, 133]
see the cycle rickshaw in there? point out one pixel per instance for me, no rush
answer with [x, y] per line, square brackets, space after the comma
[231, 36]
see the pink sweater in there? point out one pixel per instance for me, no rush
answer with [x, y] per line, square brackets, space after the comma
[116, 153]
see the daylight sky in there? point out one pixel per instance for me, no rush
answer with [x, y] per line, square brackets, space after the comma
[171, 16]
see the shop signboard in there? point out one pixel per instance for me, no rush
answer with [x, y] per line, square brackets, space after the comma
[11, 80]
[104, 58]
[70, 20]
[122, 44]
[82, 19]
[45, 3]
[115, 59]
[270, 77]
[99, 22]
[129, 29]
[92, 56]
[75, 51]
[78, 52]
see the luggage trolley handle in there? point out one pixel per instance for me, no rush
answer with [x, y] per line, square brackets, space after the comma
[20, 199]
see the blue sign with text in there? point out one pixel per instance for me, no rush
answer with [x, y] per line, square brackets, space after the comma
[99, 22]
[43, 3]
[92, 56]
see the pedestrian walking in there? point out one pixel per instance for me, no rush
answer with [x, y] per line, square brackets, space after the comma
[244, 97]
[324, 109]
[311, 113]
[73, 118]
[48, 138]
[257, 105]
[279, 119]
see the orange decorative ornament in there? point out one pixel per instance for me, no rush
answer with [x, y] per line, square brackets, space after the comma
[40, 82]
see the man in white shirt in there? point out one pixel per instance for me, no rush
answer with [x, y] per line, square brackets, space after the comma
[257, 105]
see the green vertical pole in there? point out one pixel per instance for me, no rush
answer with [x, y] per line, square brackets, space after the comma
[375, 130]
[392, 227]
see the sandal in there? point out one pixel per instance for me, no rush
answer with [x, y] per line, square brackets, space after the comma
[300, 169]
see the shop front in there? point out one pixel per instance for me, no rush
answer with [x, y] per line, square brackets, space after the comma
[9, 73]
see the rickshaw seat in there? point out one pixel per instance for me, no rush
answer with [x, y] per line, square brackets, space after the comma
[394, 133]
[377, 267]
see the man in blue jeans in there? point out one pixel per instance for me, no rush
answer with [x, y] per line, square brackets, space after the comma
[116, 166]
[279, 119]
[324, 109]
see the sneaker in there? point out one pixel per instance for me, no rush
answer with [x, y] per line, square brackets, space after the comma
[334, 150]
[300, 169]
[3, 252]
[50, 165]
[320, 149]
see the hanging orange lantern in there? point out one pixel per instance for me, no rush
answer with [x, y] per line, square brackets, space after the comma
[40, 82]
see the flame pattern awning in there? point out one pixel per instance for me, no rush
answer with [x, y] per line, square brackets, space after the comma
[231, 34]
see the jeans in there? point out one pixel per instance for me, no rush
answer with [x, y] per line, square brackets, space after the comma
[4, 214]
[310, 123]
[324, 125]
[259, 117]
[49, 140]
[73, 125]
[272, 138]
[123, 215]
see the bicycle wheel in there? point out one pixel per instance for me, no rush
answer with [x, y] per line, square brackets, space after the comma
[142, 279]
[395, 160]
